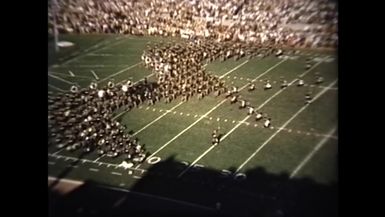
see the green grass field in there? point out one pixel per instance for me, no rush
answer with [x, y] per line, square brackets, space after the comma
[302, 142]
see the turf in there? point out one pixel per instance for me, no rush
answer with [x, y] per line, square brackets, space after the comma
[170, 139]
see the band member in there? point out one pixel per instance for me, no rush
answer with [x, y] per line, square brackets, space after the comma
[124, 88]
[101, 93]
[267, 123]
[267, 85]
[258, 116]
[93, 86]
[243, 104]
[251, 87]
[279, 53]
[215, 137]
[283, 83]
[250, 110]
[233, 99]
[111, 84]
[319, 79]
[308, 97]
[300, 83]
[74, 89]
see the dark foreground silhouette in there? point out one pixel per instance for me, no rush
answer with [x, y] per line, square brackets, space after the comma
[204, 192]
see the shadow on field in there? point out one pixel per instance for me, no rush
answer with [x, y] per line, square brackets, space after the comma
[66, 171]
[201, 190]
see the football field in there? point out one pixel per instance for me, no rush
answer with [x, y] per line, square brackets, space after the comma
[301, 143]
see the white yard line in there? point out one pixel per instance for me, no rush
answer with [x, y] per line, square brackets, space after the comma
[187, 128]
[85, 51]
[56, 88]
[74, 54]
[100, 54]
[236, 126]
[330, 88]
[92, 66]
[329, 136]
[311, 154]
[75, 182]
[119, 72]
[71, 73]
[237, 67]
[247, 117]
[120, 201]
[92, 162]
[198, 120]
[67, 75]
[108, 55]
[57, 152]
[96, 160]
[95, 75]
[61, 79]
[283, 126]
[205, 115]
[196, 160]
[157, 119]
[322, 87]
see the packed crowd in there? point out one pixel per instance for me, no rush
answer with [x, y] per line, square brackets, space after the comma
[288, 23]
[83, 119]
